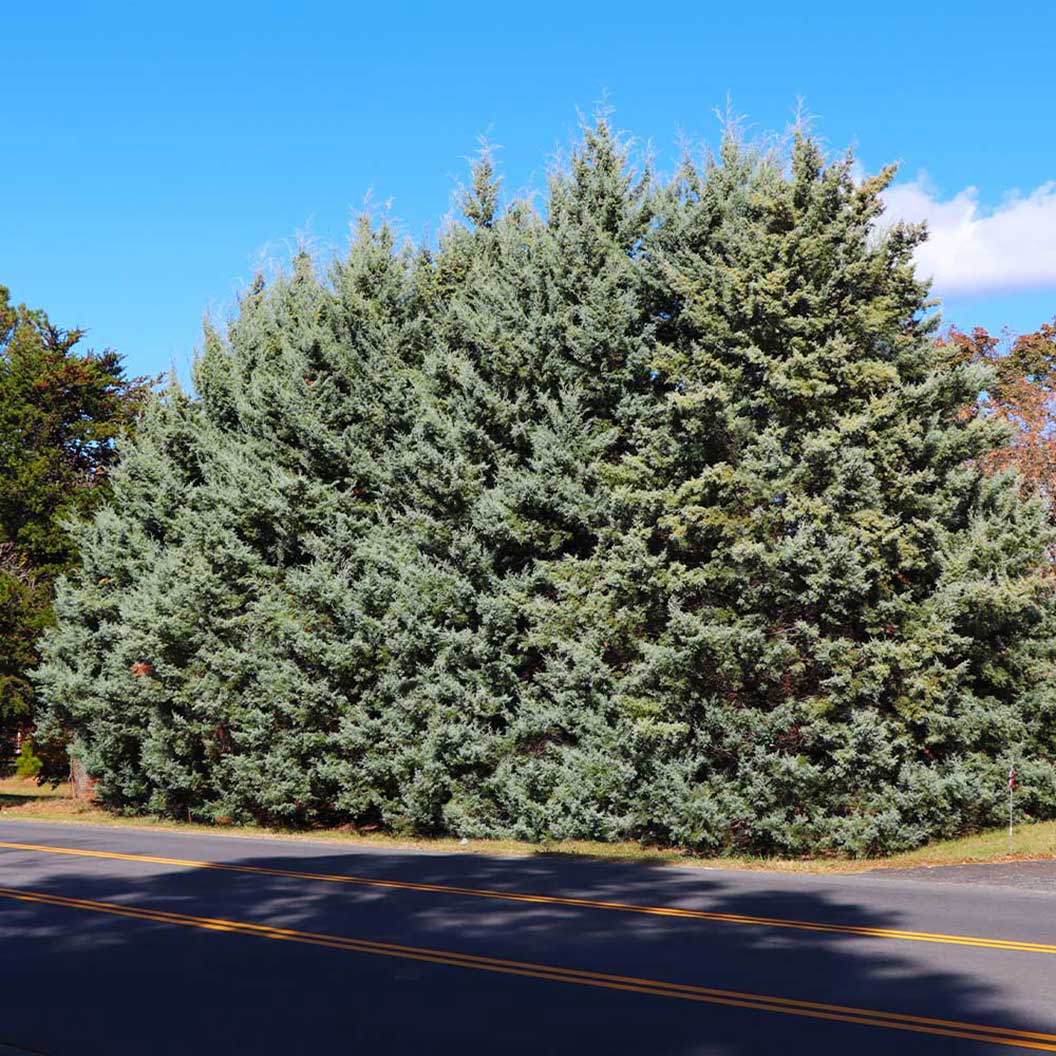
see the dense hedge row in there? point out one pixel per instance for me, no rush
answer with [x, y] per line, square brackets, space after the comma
[650, 511]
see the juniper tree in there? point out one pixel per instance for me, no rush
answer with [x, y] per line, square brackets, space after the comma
[653, 512]
[854, 633]
[535, 322]
[188, 663]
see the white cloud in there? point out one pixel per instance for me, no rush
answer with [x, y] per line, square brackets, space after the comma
[974, 250]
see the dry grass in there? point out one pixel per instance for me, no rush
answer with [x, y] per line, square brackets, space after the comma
[25, 799]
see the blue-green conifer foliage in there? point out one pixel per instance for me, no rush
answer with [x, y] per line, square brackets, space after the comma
[648, 510]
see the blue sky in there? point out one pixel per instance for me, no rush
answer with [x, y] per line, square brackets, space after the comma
[156, 153]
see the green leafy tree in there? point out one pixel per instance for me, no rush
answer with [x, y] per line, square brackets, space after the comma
[60, 412]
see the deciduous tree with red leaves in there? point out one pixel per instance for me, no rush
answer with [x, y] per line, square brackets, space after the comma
[1023, 395]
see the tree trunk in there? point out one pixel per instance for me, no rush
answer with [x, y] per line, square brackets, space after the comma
[83, 784]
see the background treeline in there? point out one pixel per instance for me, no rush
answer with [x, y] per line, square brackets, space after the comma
[61, 410]
[651, 509]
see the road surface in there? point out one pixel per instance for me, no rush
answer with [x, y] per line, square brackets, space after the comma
[123, 942]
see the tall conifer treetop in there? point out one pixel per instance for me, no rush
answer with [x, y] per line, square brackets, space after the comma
[653, 511]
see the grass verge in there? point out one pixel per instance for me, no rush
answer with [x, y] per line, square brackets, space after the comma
[1037, 841]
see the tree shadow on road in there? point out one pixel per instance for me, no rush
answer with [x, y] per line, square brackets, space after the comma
[90, 983]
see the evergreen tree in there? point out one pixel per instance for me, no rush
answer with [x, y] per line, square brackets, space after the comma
[853, 638]
[655, 513]
[60, 411]
[198, 677]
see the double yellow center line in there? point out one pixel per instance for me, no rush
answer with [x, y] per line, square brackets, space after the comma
[1007, 1036]
[556, 900]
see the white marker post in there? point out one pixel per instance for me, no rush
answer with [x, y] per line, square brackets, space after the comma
[1011, 789]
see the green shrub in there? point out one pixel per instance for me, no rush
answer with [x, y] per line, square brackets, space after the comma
[27, 763]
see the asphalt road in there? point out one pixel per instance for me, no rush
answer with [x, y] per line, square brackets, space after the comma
[1027, 876]
[164, 943]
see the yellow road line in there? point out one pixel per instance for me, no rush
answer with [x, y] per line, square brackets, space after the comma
[1012, 945]
[1008, 1036]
